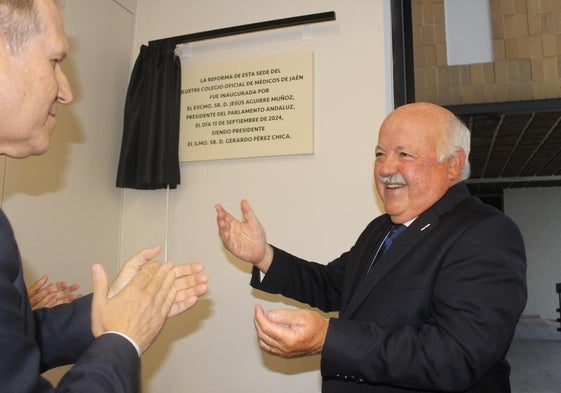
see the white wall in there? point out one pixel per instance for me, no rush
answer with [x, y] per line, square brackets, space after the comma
[537, 211]
[314, 206]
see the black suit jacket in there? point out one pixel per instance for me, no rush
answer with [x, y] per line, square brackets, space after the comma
[33, 342]
[437, 312]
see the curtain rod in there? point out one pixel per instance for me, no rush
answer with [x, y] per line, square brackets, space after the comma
[252, 27]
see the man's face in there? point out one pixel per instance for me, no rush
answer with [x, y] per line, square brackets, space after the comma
[407, 175]
[32, 84]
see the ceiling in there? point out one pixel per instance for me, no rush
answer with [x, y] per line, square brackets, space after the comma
[513, 145]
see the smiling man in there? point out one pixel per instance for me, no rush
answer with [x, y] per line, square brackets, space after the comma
[32, 81]
[105, 333]
[436, 311]
[417, 161]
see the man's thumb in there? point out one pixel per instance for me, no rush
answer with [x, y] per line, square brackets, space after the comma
[100, 283]
[100, 292]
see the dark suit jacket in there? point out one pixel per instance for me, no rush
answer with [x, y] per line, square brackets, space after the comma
[437, 312]
[33, 342]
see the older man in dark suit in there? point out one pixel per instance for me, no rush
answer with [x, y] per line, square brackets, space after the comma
[436, 311]
[104, 334]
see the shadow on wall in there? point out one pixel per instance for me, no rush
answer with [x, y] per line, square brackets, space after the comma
[176, 328]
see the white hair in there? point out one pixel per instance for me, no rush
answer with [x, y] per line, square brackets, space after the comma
[458, 136]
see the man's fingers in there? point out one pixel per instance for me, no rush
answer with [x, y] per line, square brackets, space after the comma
[47, 301]
[182, 292]
[182, 305]
[148, 276]
[187, 269]
[190, 281]
[39, 283]
[144, 256]
[132, 267]
[263, 326]
[222, 217]
[160, 286]
[285, 317]
[57, 286]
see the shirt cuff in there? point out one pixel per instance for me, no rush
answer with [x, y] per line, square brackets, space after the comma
[135, 345]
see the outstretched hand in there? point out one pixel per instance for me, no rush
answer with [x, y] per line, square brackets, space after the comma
[245, 239]
[290, 333]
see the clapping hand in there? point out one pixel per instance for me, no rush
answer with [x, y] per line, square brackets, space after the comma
[144, 294]
[42, 295]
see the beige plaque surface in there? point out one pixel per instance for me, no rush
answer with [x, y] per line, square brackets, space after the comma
[247, 108]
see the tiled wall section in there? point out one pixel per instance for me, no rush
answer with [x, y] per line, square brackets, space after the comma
[527, 52]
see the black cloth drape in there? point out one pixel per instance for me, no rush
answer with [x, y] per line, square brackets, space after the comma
[149, 150]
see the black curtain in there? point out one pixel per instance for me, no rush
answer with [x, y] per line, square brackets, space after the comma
[150, 146]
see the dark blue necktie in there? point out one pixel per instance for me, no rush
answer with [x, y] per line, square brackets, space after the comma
[394, 233]
[387, 243]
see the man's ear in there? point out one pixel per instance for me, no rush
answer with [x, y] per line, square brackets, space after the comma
[455, 164]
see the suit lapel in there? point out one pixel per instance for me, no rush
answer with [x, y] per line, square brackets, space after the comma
[364, 258]
[374, 243]
[418, 229]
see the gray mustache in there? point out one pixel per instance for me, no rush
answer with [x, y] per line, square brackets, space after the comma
[393, 179]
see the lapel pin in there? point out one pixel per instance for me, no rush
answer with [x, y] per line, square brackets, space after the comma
[425, 227]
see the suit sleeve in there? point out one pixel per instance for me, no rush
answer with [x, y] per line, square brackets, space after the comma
[477, 295]
[309, 282]
[63, 332]
[111, 364]
[30, 342]
[313, 283]
[63, 335]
